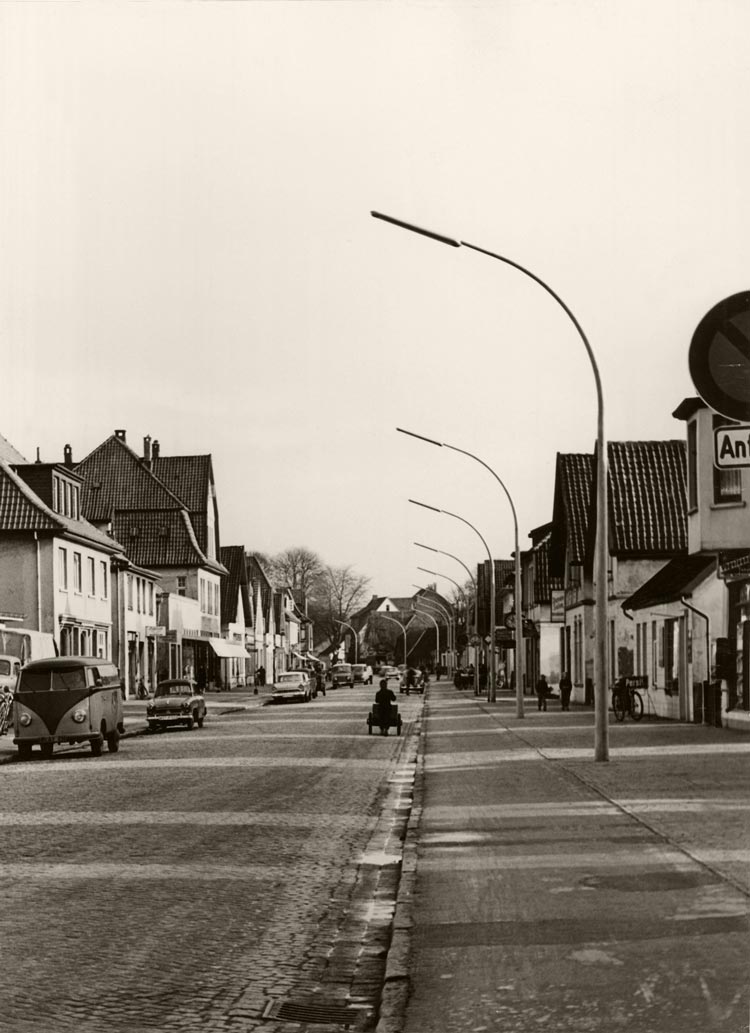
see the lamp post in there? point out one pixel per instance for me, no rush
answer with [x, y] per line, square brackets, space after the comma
[353, 632]
[601, 717]
[450, 624]
[436, 573]
[491, 682]
[517, 556]
[440, 552]
[429, 616]
[402, 626]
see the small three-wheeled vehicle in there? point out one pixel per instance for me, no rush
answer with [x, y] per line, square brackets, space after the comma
[378, 719]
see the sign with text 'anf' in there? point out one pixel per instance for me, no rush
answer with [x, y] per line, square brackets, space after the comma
[732, 446]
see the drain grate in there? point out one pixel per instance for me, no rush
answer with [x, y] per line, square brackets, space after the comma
[310, 1011]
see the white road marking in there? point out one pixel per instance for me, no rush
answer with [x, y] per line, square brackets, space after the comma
[20, 819]
[203, 872]
[172, 763]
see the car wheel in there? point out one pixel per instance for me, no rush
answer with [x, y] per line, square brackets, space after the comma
[47, 750]
[96, 747]
[113, 741]
[189, 724]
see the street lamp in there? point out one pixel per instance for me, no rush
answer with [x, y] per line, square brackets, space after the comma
[402, 626]
[441, 552]
[519, 611]
[449, 623]
[436, 573]
[491, 682]
[601, 717]
[353, 632]
[429, 616]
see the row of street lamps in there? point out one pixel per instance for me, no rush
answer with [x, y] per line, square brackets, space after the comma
[601, 728]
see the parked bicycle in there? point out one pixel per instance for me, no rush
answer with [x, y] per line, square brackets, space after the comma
[626, 700]
[6, 707]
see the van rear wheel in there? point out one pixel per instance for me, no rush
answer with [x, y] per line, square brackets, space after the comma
[96, 746]
[113, 741]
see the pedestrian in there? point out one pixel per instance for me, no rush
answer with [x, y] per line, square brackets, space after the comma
[438, 671]
[142, 690]
[320, 683]
[566, 687]
[384, 697]
[542, 688]
[411, 680]
[261, 676]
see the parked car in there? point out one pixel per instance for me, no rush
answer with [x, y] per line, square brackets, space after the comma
[10, 668]
[341, 674]
[362, 674]
[292, 687]
[176, 702]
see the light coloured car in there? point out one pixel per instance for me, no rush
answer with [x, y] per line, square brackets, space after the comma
[292, 687]
[176, 702]
[362, 674]
[389, 672]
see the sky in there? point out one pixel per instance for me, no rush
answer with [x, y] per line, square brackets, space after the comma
[187, 251]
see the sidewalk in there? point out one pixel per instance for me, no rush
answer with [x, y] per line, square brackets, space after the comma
[545, 891]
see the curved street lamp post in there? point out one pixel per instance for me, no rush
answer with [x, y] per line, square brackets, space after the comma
[394, 621]
[450, 624]
[491, 684]
[441, 552]
[601, 718]
[462, 594]
[353, 633]
[429, 616]
[517, 564]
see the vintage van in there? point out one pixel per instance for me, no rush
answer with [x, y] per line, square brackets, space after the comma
[68, 699]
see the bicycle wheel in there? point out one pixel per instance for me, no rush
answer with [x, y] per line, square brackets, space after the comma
[636, 705]
[618, 706]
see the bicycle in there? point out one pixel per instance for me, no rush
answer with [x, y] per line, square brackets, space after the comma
[6, 705]
[627, 701]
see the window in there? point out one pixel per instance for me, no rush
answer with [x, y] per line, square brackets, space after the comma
[138, 594]
[62, 555]
[181, 585]
[103, 572]
[130, 591]
[75, 507]
[217, 600]
[91, 564]
[77, 573]
[654, 652]
[151, 598]
[66, 498]
[203, 595]
[56, 494]
[727, 483]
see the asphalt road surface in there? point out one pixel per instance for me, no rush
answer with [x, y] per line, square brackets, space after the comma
[234, 877]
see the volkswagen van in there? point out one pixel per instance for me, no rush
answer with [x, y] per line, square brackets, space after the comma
[68, 699]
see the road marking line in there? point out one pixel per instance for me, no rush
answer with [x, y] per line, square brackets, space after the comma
[10, 819]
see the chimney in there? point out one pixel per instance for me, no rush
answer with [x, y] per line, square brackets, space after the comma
[68, 455]
[155, 450]
[120, 435]
[38, 457]
[147, 450]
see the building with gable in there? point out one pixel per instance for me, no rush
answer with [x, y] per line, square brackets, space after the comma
[262, 594]
[121, 490]
[237, 622]
[55, 566]
[647, 528]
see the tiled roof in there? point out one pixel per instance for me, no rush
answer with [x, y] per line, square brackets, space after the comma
[159, 538]
[647, 497]
[22, 510]
[116, 478]
[647, 511]
[544, 584]
[233, 558]
[189, 477]
[8, 453]
[677, 578]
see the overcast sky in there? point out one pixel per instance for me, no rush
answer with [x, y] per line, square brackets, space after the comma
[186, 249]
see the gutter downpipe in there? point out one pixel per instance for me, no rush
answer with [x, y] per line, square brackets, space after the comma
[707, 619]
[38, 584]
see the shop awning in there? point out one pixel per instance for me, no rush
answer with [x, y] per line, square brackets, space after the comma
[226, 649]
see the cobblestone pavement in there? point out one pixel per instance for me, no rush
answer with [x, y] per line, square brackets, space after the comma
[201, 880]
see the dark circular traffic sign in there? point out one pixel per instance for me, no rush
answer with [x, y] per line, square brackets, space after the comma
[719, 357]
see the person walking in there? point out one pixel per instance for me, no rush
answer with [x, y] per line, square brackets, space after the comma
[261, 676]
[542, 688]
[566, 687]
[320, 683]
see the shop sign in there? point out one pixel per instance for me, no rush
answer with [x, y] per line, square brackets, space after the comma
[732, 446]
[557, 606]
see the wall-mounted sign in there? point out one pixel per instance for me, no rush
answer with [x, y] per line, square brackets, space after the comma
[732, 446]
[557, 605]
[719, 357]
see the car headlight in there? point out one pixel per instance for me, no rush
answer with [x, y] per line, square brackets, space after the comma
[79, 716]
[25, 720]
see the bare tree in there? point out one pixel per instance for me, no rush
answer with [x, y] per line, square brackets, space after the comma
[297, 568]
[337, 594]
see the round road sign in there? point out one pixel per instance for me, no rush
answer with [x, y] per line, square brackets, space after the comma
[719, 357]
